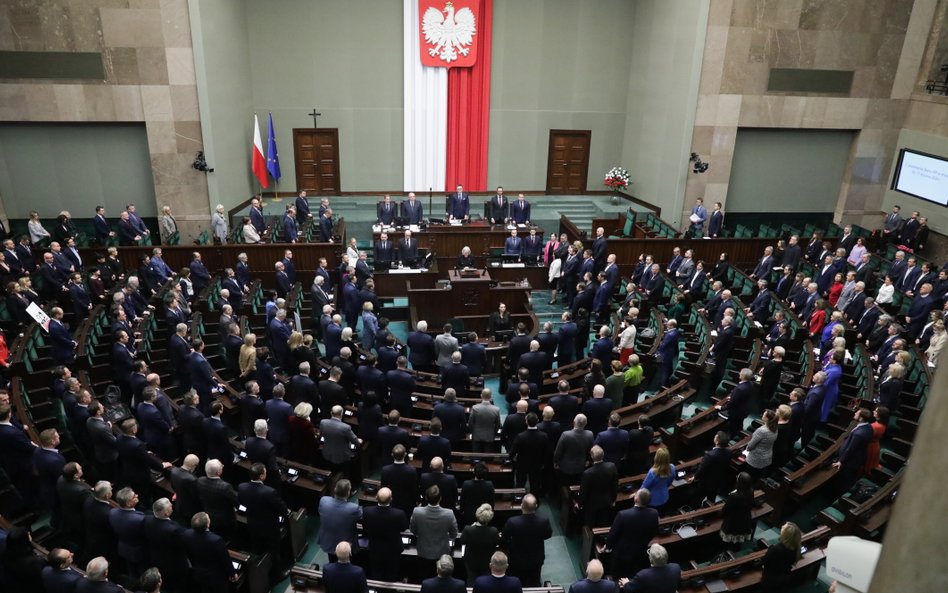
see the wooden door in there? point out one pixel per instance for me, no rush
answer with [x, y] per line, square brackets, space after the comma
[316, 151]
[568, 163]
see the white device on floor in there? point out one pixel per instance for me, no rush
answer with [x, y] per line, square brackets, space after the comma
[851, 562]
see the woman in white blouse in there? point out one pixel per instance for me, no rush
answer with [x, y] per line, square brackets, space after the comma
[35, 227]
[167, 224]
[886, 292]
[250, 233]
[937, 343]
[219, 225]
[353, 250]
[626, 343]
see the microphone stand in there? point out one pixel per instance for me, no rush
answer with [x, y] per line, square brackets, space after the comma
[430, 211]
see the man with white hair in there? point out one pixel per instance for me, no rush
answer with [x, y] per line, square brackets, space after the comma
[339, 442]
[218, 498]
[184, 482]
[261, 450]
[342, 576]
[421, 348]
[593, 583]
[535, 361]
[164, 539]
[572, 450]
[661, 577]
[97, 578]
[456, 375]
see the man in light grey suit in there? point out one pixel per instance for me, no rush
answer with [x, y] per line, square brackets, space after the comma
[337, 519]
[434, 527]
[339, 442]
[572, 451]
[483, 423]
[445, 345]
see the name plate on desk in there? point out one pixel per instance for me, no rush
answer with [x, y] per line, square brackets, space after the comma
[513, 265]
[407, 270]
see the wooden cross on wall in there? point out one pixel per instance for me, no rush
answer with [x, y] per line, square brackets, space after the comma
[314, 114]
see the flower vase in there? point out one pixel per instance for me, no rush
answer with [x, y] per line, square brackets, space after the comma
[615, 197]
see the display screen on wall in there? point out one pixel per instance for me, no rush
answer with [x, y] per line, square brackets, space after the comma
[922, 175]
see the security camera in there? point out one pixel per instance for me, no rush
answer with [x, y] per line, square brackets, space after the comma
[699, 165]
[200, 164]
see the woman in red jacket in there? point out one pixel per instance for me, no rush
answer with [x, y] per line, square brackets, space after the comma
[817, 318]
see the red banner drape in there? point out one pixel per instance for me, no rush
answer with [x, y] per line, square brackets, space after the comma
[469, 113]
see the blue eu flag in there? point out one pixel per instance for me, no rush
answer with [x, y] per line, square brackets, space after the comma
[273, 158]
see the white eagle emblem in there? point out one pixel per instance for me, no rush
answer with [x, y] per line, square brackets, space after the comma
[449, 34]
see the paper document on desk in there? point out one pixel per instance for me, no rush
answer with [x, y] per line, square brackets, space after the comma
[414, 228]
[514, 265]
[686, 531]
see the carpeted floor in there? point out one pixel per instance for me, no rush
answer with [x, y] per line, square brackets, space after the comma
[562, 565]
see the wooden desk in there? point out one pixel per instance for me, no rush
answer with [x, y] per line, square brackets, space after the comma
[447, 241]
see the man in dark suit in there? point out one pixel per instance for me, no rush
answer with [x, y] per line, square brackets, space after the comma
[713, 476]
[72, 493]
[520, 210]
[59, 575]
[456, 375]
[302, 207]
[384, 250]
[498, 581]
[474, 355]
[597, 410]
[531, 246]
[532, 454]
[128, 525]
[207, 552]
[216, 436]
[63, 346]
[571, 275]
[156, 430]
[402, 480]
[630, 534]
[602, 348]
[919, 310]
[136, 461]
[383, 525]
[453, 420]
[48, 465]
[433, 445]
[262, 451]
[851, 460]
[568, 336]
[446, 483]
[102, 440]
[391, 435]
[218, 499]
[535, 362]
[97, 578]
[202, 377]
[459, 206]
[401, 384]
[165, 545]
[599, 249]
[99, 538]
[103, 231]
[421, 349]
[266, 513]
[597, 490]
[408, 250]
[513, 245]
[593, 583]
[660, 577]
[812, 406]
[342, 576]
[290, 228]
[498, 208]
[523, 536]
[739, 402]
[444, 582]
[668, 352]
[187, 500]
[386, 211]
[412, 210]
[614, 441]
[325, 226]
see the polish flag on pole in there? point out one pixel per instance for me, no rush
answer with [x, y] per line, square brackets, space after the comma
[258, 163]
